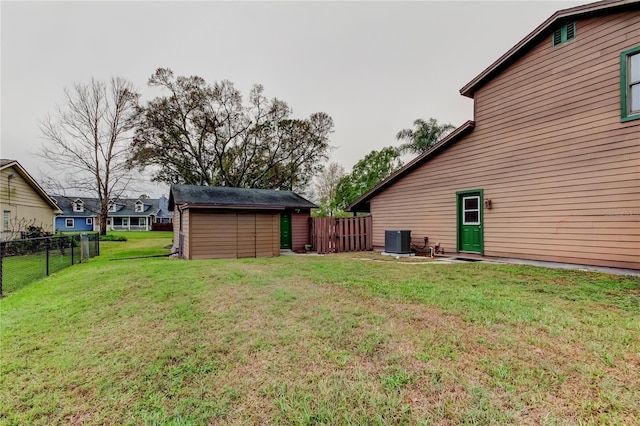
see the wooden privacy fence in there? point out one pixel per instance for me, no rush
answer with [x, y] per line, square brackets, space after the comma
[341, 234]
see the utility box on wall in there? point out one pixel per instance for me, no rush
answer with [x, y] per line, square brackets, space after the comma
[397, 242]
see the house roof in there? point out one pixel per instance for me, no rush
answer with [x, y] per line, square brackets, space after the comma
[124, 207]
[195, 196]
[6, 163]
[361, 203]
[542, 31]
[517, 51]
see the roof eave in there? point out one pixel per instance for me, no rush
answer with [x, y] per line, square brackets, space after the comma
[35, 185]
[533, 37]
[416, 162]
[205, 205]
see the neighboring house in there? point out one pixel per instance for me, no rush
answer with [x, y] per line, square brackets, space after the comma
[23, 202]
[220, 222]
[82, 214]
[164, 215]
[550, 167]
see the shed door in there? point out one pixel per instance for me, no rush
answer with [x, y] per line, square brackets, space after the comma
[267, 235]
[469, 218]
[246, 235]
[285, 231]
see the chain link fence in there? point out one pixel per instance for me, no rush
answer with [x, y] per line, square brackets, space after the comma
[25, 261]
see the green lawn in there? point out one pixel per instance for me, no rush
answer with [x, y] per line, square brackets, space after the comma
[318, 340]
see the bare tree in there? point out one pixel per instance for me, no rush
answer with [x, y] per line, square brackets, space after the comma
[89, 138]
[327, 186]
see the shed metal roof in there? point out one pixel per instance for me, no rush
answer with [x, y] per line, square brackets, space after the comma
[226, 197]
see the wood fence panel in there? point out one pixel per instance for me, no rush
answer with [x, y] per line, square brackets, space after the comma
[344, 234]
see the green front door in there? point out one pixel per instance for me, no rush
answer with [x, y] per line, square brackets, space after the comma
[470, 226]
[285, 231]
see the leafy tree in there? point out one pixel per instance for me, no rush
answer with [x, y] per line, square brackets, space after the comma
[326, 187]
[373, 168]
[424, 135]
[207, 135]
[89, 137]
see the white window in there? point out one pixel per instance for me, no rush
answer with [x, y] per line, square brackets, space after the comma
[112, 207]
[630, 79]
[89, 221]
[6, 217]
[471, 211]
[68, 223]
[142, 221]
[125, 221]
[109, 221]
[78, 206]
[139, 207]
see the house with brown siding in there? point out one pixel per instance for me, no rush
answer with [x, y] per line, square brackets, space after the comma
[221, 222]
[23, 202]
[549, 169]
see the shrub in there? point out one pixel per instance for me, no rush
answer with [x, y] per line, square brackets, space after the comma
[110, 237]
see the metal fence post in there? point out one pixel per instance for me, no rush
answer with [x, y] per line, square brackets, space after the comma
[71, 238]
[46, 250]
[3, 246]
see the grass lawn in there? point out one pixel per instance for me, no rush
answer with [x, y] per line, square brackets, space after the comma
[318, 340]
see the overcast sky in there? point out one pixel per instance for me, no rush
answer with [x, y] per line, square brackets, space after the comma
[373, 66]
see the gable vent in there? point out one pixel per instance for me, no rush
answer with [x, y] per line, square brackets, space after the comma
[571, 30]
[563, 34]
[557, 37]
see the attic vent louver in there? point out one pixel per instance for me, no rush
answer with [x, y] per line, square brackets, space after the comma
[563, 34]
[571, 30]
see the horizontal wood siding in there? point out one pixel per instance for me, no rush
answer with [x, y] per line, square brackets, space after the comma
[275, 235]
[246, 235]
[213, 236]
[176, 227]
[218, 235]
[267, 234]
[186, 231]
[549, 150]
[26, 206]
[300, 229]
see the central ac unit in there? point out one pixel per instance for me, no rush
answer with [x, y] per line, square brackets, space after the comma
[397, 242]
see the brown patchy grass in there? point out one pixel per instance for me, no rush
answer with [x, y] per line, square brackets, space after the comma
[321, 340]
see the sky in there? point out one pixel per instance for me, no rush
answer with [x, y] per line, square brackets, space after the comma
[374, 67]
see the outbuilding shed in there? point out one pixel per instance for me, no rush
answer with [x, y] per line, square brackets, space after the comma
[220, 222]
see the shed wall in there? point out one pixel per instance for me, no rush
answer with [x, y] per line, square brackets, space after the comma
[176, 226]
[218, 235]
[300, 229]
[549, 150]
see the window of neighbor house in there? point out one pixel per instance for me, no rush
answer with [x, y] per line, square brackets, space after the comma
[139, 207]
[6, 217]
[78, 206]
[68, 223]
[112, 207]
[89, 221]
[630, 84]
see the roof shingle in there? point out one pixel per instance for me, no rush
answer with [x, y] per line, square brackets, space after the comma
[221, 196]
